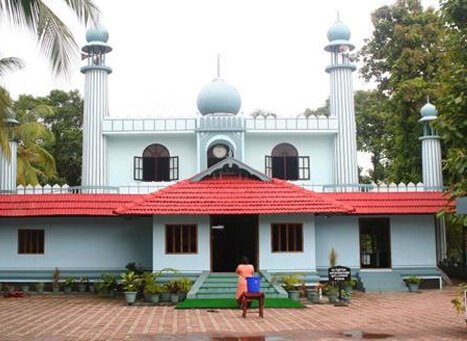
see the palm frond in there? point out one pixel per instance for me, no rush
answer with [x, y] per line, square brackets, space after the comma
[85, 10]
[10, 64]
[55, 39]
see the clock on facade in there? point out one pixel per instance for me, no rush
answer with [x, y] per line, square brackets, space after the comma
[219, 151]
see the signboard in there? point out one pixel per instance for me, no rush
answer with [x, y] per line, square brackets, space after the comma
[339, 273]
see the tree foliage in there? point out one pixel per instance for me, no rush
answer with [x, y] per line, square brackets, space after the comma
[452, 106]
[55, 38]
[371, 115]
[62, 113]
[403, 57]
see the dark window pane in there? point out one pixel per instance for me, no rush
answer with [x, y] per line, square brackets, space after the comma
[283, 234]
[149, 169]
[31, 241]
[291, 163]
[278, 167]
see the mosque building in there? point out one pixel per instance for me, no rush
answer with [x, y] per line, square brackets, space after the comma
[196, 194]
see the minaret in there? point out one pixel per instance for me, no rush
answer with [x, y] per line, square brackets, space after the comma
[96, 107]
[431, 149]
[342, 103]
[8, 166]
[432, 169]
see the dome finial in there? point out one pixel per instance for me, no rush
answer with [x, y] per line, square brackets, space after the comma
[219, 65]
[428, 111]
[338, 16]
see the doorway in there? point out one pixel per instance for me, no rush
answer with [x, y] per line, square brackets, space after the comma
[233, 236]
[375, 247]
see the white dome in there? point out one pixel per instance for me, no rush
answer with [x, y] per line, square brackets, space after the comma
[219, 97]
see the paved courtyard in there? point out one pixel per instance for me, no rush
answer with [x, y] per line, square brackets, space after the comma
[399, 316]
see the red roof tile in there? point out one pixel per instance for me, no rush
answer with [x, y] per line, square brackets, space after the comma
[28, 205]
[233, 196]
[393, 202]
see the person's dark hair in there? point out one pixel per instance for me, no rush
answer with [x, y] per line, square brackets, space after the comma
[244, 260]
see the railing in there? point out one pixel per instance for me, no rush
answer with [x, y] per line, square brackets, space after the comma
[320, 123]
[122, 125]
[148, 187]
[148, 125]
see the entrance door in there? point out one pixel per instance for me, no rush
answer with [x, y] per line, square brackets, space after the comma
[233, 237]
[375, 247]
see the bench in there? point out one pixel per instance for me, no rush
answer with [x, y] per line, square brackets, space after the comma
[439, 278]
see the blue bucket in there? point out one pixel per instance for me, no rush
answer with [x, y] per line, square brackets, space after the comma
[253, 284]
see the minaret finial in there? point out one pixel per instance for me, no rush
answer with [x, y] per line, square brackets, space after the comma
[338, 16]
[427, 98]
[218, 65]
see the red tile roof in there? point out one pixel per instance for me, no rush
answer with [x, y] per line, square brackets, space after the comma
[393, 202]
[222, 196]
[12, 205]
[233, 196]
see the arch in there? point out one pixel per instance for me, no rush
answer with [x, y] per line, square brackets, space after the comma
[285, 163]
[156, 150]
[156, 164]
[284, 149]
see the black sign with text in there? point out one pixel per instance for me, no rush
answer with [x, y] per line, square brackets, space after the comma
[339, 273]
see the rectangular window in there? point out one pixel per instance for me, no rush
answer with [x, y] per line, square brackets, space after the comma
[181, 239]
[155, 168]
[375, 247]
[288, 167]
[31, 241]
[287, 237]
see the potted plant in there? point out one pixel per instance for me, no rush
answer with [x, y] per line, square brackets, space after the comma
[349, 285]
[56, 281]
[148, 280]
[152, 292]
[290, 283]
[130, 284]
[331, 292]
[184, 286]
[82, 284]
[107, 285]
[40, 287]
[413, 282]
[25, 287]
[313, 294]
[173, 287]
[68, 284]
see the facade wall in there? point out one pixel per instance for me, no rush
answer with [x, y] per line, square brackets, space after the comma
[340, 233]
[413, 241]
[287, 261]
[122, 149]
[107, 243]
[320, 149]
[201, 261]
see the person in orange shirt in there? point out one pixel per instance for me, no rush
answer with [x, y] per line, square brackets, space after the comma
[244, 270]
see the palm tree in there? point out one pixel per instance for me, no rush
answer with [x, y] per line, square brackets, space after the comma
[55, 38]
[34, 161]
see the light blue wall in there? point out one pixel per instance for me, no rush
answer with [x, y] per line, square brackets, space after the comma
[340, 233]
[318, 147]
[287, 261]
[413, 241]
[201, 261]
[122, 149]
[79, 243]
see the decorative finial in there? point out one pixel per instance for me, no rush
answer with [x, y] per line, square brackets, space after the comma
[338, 16]
[218, 65]
[428, 99]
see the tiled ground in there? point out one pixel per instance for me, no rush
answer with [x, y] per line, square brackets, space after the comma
[421, 316]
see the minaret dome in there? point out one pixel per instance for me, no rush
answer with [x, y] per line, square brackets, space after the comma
[219, 97]
[428, 112]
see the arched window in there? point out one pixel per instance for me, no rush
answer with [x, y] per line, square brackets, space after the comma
[284, 163]
[156, 164]
[217, 152]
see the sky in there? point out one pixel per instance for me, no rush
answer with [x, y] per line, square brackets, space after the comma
[165, 51]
